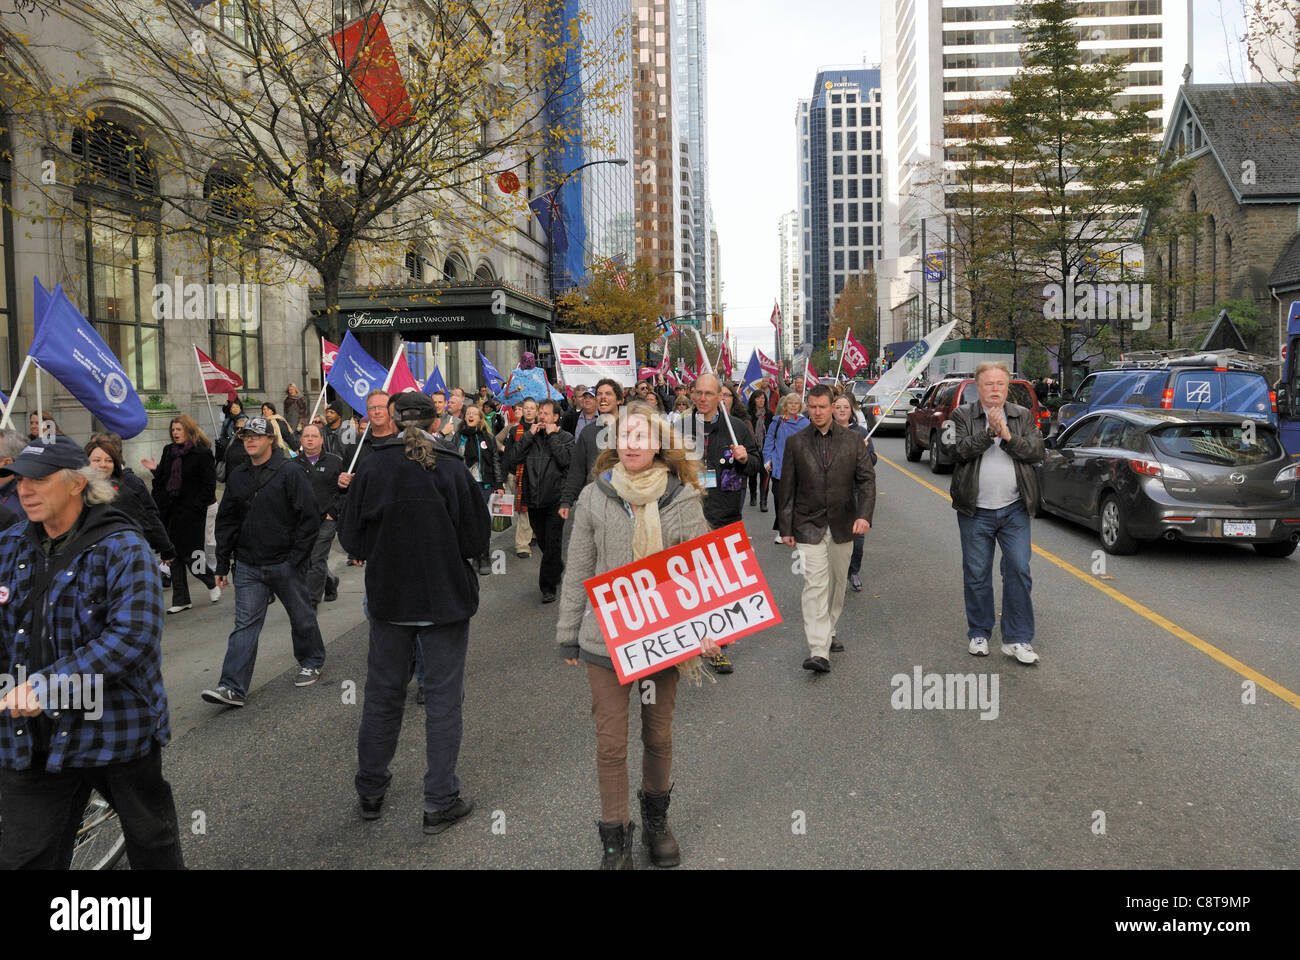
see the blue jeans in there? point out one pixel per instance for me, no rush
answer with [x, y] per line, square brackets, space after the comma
[855, 561]
[388, 669]
[253, 588]
[1009, 528]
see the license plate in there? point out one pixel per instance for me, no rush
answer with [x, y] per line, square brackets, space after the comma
[1238, 528]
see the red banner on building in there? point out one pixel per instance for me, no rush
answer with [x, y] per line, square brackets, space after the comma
[654, 612]
[368, 56]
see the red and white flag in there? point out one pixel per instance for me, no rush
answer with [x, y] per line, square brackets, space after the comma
[688, 374]
[328, 351]
[216, 378]
[776, 314]
[855, 354]
[724, 361]
[400, 378]
[810, 376]
[768, 366]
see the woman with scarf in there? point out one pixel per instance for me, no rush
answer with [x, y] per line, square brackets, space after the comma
[515, 432]
[645, 498]
[477, 445]
[184, 483]
[789, 422]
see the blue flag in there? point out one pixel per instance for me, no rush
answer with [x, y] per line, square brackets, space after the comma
[491, 377]
[435, 383]
[753, 376]
[355, 373]
[67, 347]
[548, 211]
[528, 383]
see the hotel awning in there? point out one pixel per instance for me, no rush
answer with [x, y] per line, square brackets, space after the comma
[451, 312]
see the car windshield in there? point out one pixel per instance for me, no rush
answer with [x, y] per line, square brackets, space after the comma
[1132, 388]
[1231, 444]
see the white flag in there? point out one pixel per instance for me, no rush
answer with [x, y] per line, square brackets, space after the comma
[911, 364]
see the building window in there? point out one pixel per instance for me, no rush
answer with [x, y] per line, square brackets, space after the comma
[851, 98]
[852, 118]
[853, 260]
[839, 259]
[853, 140]
[837, 165]
[867, 165]
[837, 189]
[231, 17]
[836, 119]
[839, 284]
[837, 213]
[838, 234]
[877, 116]
[235, 309]
[853, 213]
[835, 98]
[868, 236]
[117, 200]
[866, 188]
[866, 116]
[837, 141]
[414, 266]
[853, 164]
[853, 189]
[853, 236]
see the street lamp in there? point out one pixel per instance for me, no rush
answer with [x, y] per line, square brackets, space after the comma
[555, 206]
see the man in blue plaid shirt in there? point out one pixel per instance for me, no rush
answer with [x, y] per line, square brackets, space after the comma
[82, 703]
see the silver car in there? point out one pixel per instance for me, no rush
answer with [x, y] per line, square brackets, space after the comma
[892, 417]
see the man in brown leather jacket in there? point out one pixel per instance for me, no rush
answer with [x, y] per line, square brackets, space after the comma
[824, 464]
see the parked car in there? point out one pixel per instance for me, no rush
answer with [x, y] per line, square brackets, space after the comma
[862, 389]
[924, 424]
[1135, 475]
[1226, 382]
[892, 417]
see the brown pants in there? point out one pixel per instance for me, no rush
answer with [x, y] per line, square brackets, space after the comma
[609, 708]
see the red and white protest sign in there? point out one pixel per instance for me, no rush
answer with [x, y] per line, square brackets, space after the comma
[654, 612]
[328, 353]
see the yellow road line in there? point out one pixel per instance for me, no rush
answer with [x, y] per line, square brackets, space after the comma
[1209, 649]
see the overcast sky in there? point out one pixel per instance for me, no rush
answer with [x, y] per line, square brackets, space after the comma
[762, 57]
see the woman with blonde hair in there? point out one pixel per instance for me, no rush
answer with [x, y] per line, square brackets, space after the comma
[184, 484]
[788, 421]
[646, 498]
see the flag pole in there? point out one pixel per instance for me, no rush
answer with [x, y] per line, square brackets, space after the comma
[388, 379]
[726, 414]
[319, 400]
[40, 405]
[198, 364]
[13, 396]
[843, 347]
[804, 396]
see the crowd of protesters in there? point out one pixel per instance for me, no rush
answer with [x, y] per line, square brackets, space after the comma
[607, 476]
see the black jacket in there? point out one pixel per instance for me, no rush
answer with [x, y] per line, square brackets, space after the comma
[546, 458]
[417, 530]
[721, 506]
[324, 478]
[198, 481]
[134, 500]
[268, 515]
[480, 447]
[585, 451]
[971, 438]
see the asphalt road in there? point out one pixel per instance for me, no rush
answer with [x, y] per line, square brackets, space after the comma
[1129, 745]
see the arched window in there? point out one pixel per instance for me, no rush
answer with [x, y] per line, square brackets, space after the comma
[235, 308]
[454, 268]
[484, 274]
[116, 196]
[1212, 234]
[415, 265]
[1196, 260]
[9, 336]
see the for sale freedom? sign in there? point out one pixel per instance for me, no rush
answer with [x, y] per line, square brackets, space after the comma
[655, 612]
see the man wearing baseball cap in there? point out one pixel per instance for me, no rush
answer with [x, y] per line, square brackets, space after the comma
[81, 609]
[267, 525]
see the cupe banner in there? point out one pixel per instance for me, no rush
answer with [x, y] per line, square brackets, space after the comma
[584, 360]
[654, 612]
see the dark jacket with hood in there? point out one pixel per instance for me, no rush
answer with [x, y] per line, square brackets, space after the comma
[268, 515]
[546, 458]
[417, 530]
[971, 438]
[324, 478]
[134, 500]
[585, 451]
[480, 447]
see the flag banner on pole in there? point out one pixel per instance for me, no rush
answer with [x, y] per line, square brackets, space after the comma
[688, 374]
[435, 383]
[810, 376]
[400, 378]
[586, 359]
[752, 379]
[355, 373]
[855, 356]
[768, 366]
[911, 364]
[775, 318]
[934, 266]
[216, 378]
[491, 377]
[666, 325]
[67, 347]
[527, 383]
[368, 57]
[328, 351]
[548, 213]
[725, 366]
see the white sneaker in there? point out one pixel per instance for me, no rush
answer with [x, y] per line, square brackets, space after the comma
[979, 647]
[180, 608]
[778, 539]
[214, 594]
[1021, 651]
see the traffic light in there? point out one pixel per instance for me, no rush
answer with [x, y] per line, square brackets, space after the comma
[717, 322]
[832, 343]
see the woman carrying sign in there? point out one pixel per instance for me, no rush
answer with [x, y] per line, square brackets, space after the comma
[645, 499]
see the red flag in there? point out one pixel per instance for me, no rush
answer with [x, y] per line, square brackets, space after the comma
[216, 378]
[855, 354]
[688, 374]
[400, 379]
[367, 54]
[776, 315]
[724, 361]
[702, 364]
[328, 351]
[810, 376]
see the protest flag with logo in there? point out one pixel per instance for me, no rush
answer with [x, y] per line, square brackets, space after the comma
[855, 356]
[328, 351]
[400, 378]
[491, 376]
[435, 383]
[355, 373]
[216, 378]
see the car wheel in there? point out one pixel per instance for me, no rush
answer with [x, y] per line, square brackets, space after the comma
[936, 459]
[1114, 532]
[910, 449]
[1283, 549]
